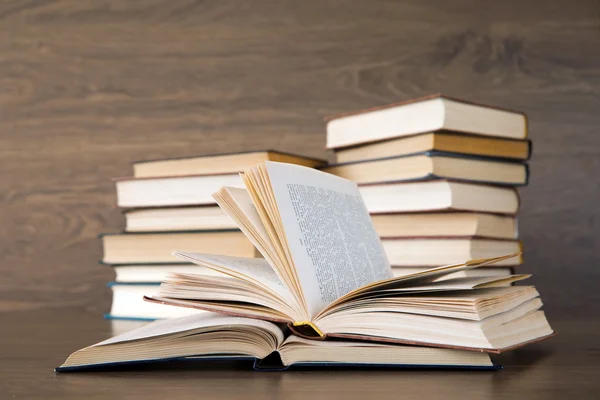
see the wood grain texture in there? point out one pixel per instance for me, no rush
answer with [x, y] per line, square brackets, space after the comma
[88, 86]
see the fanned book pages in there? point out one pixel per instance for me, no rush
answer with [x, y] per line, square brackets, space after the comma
[208, 337]
[325, 273]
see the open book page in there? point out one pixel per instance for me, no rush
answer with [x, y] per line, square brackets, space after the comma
[417, 278]
[238, 204]
[258, 234]
[259, 189]
[253, 270]
[329, 232]
[465, 283]
[174, 326]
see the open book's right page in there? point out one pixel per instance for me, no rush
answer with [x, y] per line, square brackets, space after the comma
[330, 235]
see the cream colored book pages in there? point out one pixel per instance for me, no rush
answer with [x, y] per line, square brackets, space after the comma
[248, 220]
[330, 234]
[259, 190]
[463, 117]
[193, 323]
[386, 122]
[467, 283]
[244, 203]
[254, 270]
[260, 176]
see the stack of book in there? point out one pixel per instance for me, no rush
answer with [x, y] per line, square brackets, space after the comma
[438, 176]
[326, 276]
[167, 205]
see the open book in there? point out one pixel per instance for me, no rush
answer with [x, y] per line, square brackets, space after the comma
[325, 273]
[205, 336]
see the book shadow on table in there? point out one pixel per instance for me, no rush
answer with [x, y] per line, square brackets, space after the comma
[524, 358]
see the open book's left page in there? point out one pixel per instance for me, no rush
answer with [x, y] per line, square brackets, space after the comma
[330, 235]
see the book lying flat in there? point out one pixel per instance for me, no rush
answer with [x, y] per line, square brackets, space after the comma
[439, 195]
[209, 337]
[429, 252]
[437, 141]
[177, 219]
[128, 303]
[155, 273]
[157, 247]
[172, 191]
[325, 273]
[449, 224]
[429, 165]
[217, 163]
[426, 114]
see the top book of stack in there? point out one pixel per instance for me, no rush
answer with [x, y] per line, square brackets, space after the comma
[434, 113]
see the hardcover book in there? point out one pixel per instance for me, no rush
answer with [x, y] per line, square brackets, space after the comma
[177, 219]
[229, 163]
[443, 141]
[429, 165]
[128, 303]
[164, 191]
[439, 195]
[157, 247]
[155, 272]
[426, 114]
[432, 251]
[209, 337]
[445, 224]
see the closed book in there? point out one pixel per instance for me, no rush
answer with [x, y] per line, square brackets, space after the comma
[156, 272]
[444, 141]
[433, 164]
[426, 114]
[171, 191]
[431, 252]
[228, 163]
[177, 219]
[128, 303]
[157, 247]
[449, 224]
[439, 195]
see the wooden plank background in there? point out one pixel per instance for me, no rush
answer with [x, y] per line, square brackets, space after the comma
[88, 86]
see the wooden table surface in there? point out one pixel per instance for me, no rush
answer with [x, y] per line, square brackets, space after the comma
[32, 343]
